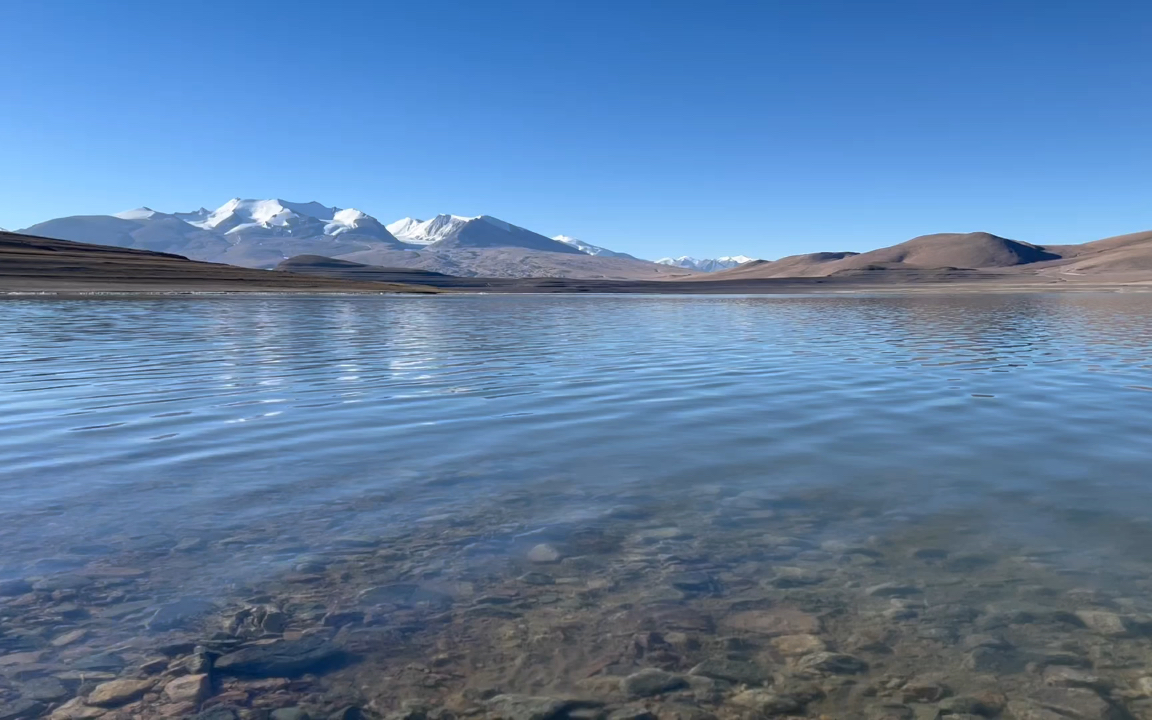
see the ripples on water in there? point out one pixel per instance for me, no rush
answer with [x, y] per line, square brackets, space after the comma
[129, 425]
[121, 414]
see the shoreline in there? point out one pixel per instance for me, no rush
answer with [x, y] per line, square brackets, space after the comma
[845, 290]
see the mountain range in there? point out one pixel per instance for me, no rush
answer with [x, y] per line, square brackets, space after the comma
[706, 265]
[264, 233]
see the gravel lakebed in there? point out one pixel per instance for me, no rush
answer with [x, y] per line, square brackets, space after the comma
[721, 604]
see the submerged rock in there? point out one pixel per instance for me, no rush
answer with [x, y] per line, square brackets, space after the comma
[835, 663]
[766, 702]
[970, 705]
[179, 613]
[190, 688]
[283, 658]
[1055, 703]
[734, 671]
[118, 692]
[544, 553]
[74, 709]
[21, 709]
[777, 621]
[525, 707]
[797, 645]
[994, 660]
[651, 682]
[1104, 623]
[631, 712]
[12, 588]
[47, 689]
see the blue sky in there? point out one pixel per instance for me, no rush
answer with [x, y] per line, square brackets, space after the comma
[656, 128]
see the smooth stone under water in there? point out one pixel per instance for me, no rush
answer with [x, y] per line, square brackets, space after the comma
[507, 505]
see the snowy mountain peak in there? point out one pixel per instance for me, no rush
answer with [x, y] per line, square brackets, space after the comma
[588, 248]
[707, 264]
[280, 217]
[348, 220]
[140, 213]
[426, 232]
[239, 214]
[403, 226]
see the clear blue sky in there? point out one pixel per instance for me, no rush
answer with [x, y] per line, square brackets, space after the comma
[662, 127]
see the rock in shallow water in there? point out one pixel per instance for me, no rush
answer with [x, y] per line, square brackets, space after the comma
[12, 588]
[46, 689]
[179, 613]
[835, 663]
[778, 621]
[526, 707]
[1064, 703]
[651, 682]
[797, 645]
[283, 658]
[118, 692]
[735, 671]
[190, 688]
[766, 702]
[1104, 623]
[20, 709]
[75, 709]
[992, 660]
[216, 713]
[543, 554]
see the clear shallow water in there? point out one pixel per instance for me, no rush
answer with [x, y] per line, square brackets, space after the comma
[127, 416]
[265, 433]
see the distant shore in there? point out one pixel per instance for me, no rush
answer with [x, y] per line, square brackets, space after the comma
[34, 267]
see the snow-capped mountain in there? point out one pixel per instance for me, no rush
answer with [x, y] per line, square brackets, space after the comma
[426, 232]
[707, 264]
[246, 232]
[280, 217]
[590, 249]
[482, 231]
[263, 233]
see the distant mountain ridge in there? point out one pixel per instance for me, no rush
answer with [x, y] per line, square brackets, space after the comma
[263, 233]
[963, 251]
[590, 249]
[707, 264]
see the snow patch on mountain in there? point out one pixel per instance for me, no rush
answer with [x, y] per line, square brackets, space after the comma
[348, 220]
[140, 213]
[589, 248]
[403, 227]
[426, 232]
[239, 215]
[706, 264]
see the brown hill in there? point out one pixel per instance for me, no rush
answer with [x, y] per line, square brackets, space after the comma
[978, 250]
[808, 265]
[30, 264]
[1119, 255]
[943, 251]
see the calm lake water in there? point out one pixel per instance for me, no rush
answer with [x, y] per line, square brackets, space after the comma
[222, 448]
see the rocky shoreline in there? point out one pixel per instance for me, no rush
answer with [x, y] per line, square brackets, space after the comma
[734, 606]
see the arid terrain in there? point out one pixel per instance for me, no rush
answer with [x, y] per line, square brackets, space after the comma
[945, 262]
[32, 265]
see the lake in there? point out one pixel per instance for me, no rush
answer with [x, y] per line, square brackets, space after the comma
[540, 507]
